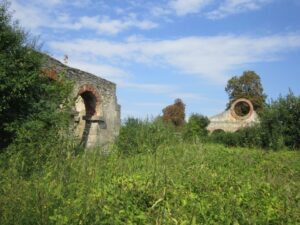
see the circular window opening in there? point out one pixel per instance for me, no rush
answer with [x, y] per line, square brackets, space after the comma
[242, 109]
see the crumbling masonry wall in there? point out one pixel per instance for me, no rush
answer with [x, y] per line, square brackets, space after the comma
[96, 111]
[230, 121]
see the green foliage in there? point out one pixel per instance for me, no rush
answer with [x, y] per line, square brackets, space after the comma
[137, 136]
[180, 184]
[196, 127]
[19, 76]
[44, 131]
[249, 86]
[175, 113]
[247, 137]
[280, 123]
[34, 110]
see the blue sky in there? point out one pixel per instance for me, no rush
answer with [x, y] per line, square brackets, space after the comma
[160, 50]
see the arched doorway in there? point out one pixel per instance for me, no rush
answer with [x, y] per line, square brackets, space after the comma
[217, 131]
[87, 106]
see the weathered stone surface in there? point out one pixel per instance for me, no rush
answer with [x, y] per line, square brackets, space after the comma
[230, 121]
[96, 111]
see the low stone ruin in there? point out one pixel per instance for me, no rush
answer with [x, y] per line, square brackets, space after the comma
[96, 111]
[232, 120]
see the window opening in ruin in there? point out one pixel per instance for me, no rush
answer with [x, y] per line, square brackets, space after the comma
[242, 109]
[90, 102]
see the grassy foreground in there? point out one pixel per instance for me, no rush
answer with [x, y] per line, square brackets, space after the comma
[181, 184]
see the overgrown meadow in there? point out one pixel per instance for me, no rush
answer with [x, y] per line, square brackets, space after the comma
[165, 179]
[160, 171]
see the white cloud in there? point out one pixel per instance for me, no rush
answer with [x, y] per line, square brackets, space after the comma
[211, 58]
[230, 7]
[187, 96]
[102, 70]
[47, 15]
[159, 11]
[183, 7]
[146, 87]
[213, 9]
[151, 104]
[107, 25]
[119, 76]
[31, 17]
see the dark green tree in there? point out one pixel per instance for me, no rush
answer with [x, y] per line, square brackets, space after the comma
[249, 86]
[29, 101]
[280, 123]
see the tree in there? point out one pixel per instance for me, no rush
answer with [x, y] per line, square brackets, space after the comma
[175, 113]
[29, 101]
[196, 127]
[280, 123]
[248, 86]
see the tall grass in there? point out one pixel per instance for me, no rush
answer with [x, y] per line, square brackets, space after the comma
[176, 184]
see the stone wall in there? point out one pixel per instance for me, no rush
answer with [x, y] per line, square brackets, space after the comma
[230, 121]
[96, 111]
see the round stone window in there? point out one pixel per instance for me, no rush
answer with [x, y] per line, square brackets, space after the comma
[241, 109]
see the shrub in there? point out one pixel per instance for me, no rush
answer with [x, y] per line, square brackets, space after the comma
[137, 136]
[196, 127]
[34, 109]
[225, 138]
[246, 137]
[280, 123]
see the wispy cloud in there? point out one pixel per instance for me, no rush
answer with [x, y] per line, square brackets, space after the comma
[188, 96]
[183, 7]
[32, 17]
[35, 14]
[210, 9]
[120, 76]
[103, 70]
[107, 25]
[230, 7]
[210, 58]
[146, 87]
[50, 14]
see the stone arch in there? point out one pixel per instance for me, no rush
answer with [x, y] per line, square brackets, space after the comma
[217, 131]
[91, 99]
[239, 101]
[88, 106]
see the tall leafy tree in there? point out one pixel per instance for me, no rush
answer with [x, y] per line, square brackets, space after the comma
[28, 100]
[280, 123]
[249, 86]
[175, 113]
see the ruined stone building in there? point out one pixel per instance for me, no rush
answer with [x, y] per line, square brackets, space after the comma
[232, 120]
[96, 110]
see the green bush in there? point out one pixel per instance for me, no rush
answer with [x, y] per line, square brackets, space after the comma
[137, 136]
[195, 128]
[280, 123]
[34, 110]
[225, 138]
[247, 137]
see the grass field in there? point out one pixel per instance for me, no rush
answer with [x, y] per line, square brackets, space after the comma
[180, 184]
